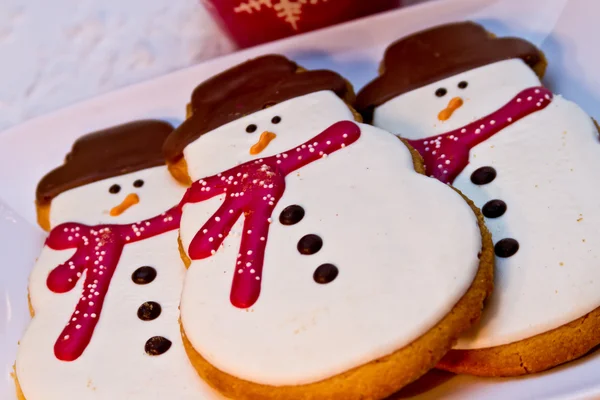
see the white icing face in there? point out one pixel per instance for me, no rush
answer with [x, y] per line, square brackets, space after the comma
[293, 122]
[91, 204]
[414, 115]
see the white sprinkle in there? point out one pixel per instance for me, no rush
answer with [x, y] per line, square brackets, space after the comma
[538, 104]
[66, 337]
[70, 238]
[456, 139]
[212, 252]
[328, 142]
[343, 145]
[217, 219]
[100, 273]
[210, 239]
[463, 130]
[492, 122]
[240, 271]
[96, 294]
[258, 278]
[311, 150]
[518, 100]
[74, 319]
[537, 90]
[85, 315]
[440, 166]
[72, 267]
[77, 326]
[345, 135]
[91, 303]
[66, 229]
[79, 274]
[529, 98]
[248, 264]
[220, 236]
[249, 252]
[127, 238]
[445, 171]
[482, 126]
[269, 220]
[426, 143]
[93, 315]
[262, 238]
[204, 230]
[299, 157]
[76, 312]
[509, 119]
[477, 131]
[447, 162]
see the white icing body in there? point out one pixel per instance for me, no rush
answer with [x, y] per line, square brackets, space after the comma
[114, 365]
[405, 245]
[546, 167]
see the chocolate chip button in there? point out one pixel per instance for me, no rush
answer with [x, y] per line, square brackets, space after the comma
[291, 215]
[506, 247]
[143, 275]
[494, 208]
[483, 175]
[149, 310]
[310, 244]
[325, 273]
[157, 345]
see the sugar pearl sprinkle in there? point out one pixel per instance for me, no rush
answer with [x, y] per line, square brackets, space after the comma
[252, 190]
[98, 249]
[446, 155]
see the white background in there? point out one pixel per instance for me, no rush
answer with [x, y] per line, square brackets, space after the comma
[56, 52]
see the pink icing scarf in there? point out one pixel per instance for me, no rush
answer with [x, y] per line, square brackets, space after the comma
[252, 189]
[446, 155]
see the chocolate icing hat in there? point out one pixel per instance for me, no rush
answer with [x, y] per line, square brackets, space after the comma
[111, 152]
[434, 54]
[245, 89]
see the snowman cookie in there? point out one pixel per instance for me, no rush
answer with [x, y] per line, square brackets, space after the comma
[106, 287]
[321, 264]
[474, 107]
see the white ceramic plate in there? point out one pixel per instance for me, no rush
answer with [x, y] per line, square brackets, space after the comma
[565, 30]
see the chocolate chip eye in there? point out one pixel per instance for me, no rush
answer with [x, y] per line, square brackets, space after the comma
[114, 189]
[441, 92]
[463, 84]
[276, 119]
[251, 128]
[138, 183]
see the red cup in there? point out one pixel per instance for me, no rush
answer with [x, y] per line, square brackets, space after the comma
[251, 22]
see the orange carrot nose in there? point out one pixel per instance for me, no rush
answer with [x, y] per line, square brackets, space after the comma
[129, 201]
[263, 142]
[453, 105]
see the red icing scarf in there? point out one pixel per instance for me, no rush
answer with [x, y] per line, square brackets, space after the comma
[252, 189]
[447, 154]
